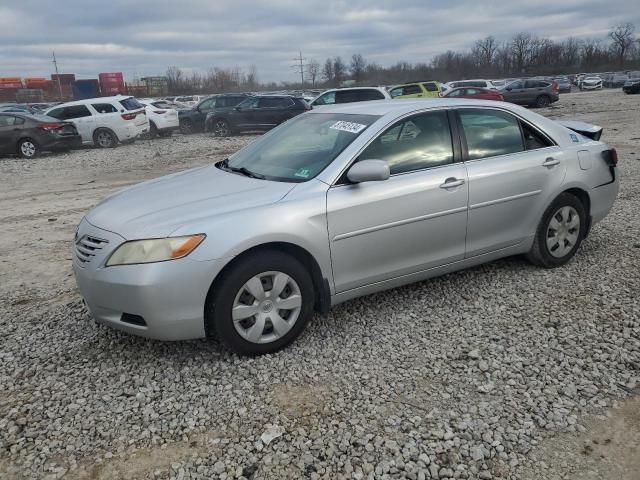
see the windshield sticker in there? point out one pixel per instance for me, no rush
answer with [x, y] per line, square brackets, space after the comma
[348, 126]
[574, 138]
[303, 173]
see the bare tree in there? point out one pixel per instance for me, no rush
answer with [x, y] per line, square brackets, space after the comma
[570, 53]
[339, 70]
[521, 50]
[327, 71]
[313, 70]
[485, 50]
[622, 40]
[358, 66]
[251, 78]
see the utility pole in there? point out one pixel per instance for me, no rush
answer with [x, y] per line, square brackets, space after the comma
[55, 64]
[299, 66]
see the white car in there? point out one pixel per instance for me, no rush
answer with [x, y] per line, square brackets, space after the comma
[189, 100]
[104, 121]
[591, 83]
[350, 95]
[163, 119]
[478, 83]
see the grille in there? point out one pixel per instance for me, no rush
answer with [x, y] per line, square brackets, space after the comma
[88, 247]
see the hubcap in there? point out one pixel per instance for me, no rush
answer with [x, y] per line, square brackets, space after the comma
[28, 149]
[104, 139]
[563, 231]
[266, 307]
[221, 129]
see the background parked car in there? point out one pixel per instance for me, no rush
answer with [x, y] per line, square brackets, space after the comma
[189, 100]
[564, 84]
[591, 83]
[194, 119]
[428, 89]
[616, 80]
[349, 95]
[259, 112]
[27, 135]
[535, 93]
[474, 83]
[104, 121]
[163, 120]
[632, 85]
[473, 92]
[16, 108]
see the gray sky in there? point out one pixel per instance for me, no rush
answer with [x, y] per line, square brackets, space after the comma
[141, 37]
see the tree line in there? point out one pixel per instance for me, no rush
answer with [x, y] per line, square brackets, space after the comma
[524, 54]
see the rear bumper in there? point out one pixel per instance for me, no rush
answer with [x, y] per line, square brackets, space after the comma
[603, 198]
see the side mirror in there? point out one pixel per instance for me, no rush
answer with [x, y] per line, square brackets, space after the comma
[368, 171]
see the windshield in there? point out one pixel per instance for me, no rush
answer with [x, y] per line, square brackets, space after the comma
[301, 148]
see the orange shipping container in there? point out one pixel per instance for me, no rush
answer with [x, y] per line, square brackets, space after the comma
[10, 80]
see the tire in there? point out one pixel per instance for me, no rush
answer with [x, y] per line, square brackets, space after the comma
[543, 101]
[558, 237]
[104, 138]
[166, 133]
[221, 128]
[28, 148]
[153, 130]
[186, 127]
[254, 332]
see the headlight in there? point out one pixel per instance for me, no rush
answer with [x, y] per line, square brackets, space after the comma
[156, 250]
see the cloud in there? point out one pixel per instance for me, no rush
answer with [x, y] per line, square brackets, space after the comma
[145, 37]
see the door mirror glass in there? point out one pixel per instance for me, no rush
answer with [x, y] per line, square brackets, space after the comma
[368, 171]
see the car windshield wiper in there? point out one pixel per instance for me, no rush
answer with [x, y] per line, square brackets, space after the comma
[242, 170]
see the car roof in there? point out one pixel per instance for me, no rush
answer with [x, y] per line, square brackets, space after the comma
[114, 98]
[402, 106]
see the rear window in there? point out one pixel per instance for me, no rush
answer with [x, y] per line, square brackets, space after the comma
[431, 87]
[360, 95]
[406, 90]
[274, 102]
[131, 104]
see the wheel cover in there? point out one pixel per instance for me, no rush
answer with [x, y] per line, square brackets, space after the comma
[104, 139]
[221, 129]
[267, 307]
[543, 102]
[186, 127]
[28, 149]
[563, 231]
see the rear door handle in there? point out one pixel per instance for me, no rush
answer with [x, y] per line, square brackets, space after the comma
[550, 162]
[452, 183]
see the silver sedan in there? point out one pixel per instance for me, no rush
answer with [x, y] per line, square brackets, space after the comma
[339, 202]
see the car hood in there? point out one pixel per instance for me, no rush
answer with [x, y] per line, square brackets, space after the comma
[158, 207]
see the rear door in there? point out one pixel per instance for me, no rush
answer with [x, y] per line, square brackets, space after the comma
[411, 222]
[81, 117]
[273, 111]
[8, 130]
[513, 169]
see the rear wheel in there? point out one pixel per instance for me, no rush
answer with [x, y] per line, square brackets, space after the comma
[262, 304]
[186, 127]
[543, 101]
[105, 138]
[560, 232]
[153, 130]
[28, 148]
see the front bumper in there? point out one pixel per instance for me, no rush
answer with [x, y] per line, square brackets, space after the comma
[169, 296]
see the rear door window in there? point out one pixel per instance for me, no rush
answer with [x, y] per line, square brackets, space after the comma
[534, 139]
[7, 120]
[76, 111]
[328, 98]
[57, 113]
[208, 105]
[515, 85]
[490, 133]
[104, 108]
[431, 87]
[274, 102]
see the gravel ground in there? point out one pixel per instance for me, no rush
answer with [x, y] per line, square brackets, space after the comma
[502, 371]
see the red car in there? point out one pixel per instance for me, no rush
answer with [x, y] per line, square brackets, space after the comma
[474, 92]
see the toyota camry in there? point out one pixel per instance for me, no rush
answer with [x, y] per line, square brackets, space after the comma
[337, 203]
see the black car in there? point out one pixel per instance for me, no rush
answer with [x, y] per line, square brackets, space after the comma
[564, 83]
[259, 112]
[28, 135]
[194, 119]
[632, 85]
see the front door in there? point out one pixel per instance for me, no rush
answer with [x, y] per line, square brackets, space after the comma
[411, 222]
[513, 169]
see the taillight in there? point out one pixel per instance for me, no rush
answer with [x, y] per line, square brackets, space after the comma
[129, 116]
[51, 126]
[611, 157]
[556, 86]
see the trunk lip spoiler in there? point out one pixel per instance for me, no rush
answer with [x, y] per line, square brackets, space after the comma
[589, 130]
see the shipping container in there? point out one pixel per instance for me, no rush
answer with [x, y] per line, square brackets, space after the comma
[111, 76]
[156, 86]
[8, 94]
[10, 86]
[83, 89]
[10, 80]
[65, 78]
[29, 95]
[36, 83]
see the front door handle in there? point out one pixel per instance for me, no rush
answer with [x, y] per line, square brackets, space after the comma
[452, 183]
[550, 162]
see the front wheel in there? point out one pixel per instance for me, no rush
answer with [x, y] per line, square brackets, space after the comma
[104, 138]
[221, 128]
[261, 304]
[186, 127]
[560, 232]
[28, 148]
